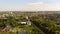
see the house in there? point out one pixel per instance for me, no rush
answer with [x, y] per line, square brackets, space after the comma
[25, 23]
[26, 17]
[28, 23]
[6, 29]
[22, 23]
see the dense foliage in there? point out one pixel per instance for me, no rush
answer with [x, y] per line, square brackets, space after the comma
[47, 23]
[47, 26]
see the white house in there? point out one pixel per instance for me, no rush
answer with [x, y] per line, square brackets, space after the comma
[22, 22]
[25, 23]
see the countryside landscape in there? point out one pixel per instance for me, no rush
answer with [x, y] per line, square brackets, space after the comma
[41, 22]
[29, 16]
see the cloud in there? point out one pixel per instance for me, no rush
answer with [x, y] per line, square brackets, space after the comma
[41, 6]
[36, 3]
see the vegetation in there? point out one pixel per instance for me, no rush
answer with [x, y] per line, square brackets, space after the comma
[47, 26]
[41, 23]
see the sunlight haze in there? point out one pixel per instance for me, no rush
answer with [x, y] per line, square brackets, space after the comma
[30, 5]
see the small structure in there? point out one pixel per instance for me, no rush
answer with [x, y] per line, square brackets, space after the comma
[6, 29]
[28, 23]
[27, 17]
[23, 23]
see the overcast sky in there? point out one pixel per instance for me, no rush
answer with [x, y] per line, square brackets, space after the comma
[30, 5]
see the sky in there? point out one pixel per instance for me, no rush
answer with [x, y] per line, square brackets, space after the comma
[29, 5]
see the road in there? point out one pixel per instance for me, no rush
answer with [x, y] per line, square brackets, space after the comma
[38, 28]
